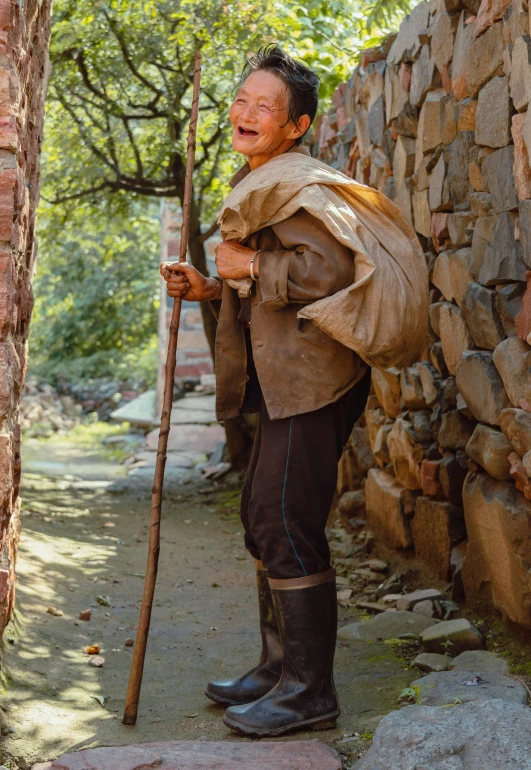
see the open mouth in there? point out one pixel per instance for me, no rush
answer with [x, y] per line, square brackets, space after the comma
[246, 131]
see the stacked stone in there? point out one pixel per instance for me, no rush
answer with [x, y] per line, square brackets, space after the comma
[438, 120]
[24, 35]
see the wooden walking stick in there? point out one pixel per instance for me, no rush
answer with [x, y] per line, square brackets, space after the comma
[137, 665]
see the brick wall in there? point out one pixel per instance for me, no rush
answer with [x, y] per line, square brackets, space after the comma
[438, 119]
[24, 70]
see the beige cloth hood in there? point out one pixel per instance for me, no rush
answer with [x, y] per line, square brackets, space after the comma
[383, 315]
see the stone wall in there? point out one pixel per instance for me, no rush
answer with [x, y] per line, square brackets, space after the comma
[438, 120]
[24, 70]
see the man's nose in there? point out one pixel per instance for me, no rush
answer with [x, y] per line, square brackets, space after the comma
[249, 112]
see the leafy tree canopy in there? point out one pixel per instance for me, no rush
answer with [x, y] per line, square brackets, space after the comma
[115, 139]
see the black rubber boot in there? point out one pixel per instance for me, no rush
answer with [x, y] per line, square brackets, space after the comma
[305, 696]
[259, 680]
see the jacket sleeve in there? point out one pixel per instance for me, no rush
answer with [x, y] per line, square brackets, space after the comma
[312, 264]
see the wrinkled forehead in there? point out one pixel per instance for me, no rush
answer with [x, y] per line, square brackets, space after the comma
[264, 85]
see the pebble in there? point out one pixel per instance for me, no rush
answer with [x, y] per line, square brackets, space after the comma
[85, 615]
[376, 565]
[96, 661]
[425, 608]
[129, 642]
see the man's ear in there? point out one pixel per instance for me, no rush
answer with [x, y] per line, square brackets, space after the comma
[302, 126]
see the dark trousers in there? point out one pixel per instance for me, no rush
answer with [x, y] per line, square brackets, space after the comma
[290, 484]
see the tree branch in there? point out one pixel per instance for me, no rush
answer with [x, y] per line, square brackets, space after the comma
[127, 56]
[209, 233]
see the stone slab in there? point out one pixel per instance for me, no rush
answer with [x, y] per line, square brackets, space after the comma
[487, 735]
[140, 411]
[452, 635]
[189, 438]
[203, 755]
[496, 565]
[479, 661]
[443, 688]
[387, 625]
[432, 661]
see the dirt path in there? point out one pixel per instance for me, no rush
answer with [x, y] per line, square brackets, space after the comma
[84, 535]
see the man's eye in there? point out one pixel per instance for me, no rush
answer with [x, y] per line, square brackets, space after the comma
[240, 101]
[264, 108]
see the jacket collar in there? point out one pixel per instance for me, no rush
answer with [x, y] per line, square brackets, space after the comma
[245, 170]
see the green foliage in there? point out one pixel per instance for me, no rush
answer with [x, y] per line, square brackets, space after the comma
[115, 138]
[329, 35]
[96, 293]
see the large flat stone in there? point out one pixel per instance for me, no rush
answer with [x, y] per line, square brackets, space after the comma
[484, 59]
[485, 735]
[481, 386]
[510, 361]
[140, 411]
[202, 755]
[497, 170]
[493, 117]
[444, 688]
[385, 509]
[432, 661]
[189, 438]
[490, 448]
[452, 636]
[521, 72]
[503, 256]
[437, 527]
[406, 46]
[480, 661]
[496, 565]
[387, 625]
[481, 317]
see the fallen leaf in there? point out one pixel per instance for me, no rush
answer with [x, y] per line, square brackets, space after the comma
[93, 649]
[55, 611]
[100, 699]
[97, 661]
[105, 601]
[192, 716]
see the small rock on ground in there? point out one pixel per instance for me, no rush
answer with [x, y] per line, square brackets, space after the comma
[424, 608]
[388, 625]
[491, 735]
[202, 755]
[452, 636]
[479, 661]
[408, 601]
[431, 661]
[446, 687]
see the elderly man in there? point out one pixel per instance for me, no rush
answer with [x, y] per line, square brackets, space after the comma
[309, 390]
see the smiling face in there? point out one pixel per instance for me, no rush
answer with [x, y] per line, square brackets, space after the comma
[259, 117]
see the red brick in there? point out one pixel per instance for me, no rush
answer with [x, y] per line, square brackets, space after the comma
[429, 477]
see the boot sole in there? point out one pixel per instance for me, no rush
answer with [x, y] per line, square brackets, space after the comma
[327, 722]
[225, 701]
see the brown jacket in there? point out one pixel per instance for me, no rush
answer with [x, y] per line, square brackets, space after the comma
[300, 368]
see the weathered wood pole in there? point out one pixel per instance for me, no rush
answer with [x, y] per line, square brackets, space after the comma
[137, 665]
